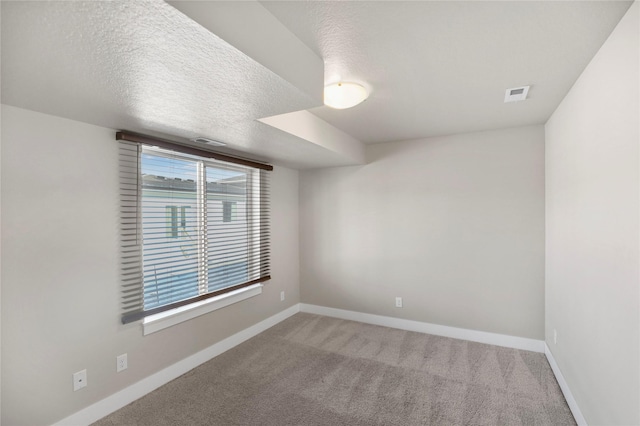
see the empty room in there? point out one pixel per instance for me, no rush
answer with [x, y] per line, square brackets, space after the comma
[320, 213]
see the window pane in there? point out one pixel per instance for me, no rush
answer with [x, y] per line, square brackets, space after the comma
[228, 208]
[170, 232]
[227, 227]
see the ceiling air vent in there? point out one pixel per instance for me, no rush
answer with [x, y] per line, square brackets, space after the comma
[516, 94]
[208, 142]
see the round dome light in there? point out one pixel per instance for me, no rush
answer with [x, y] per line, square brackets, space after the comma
[344, 95]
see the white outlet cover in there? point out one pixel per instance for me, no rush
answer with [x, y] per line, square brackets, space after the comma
[282, 296]
[79, 380]
[121, 363]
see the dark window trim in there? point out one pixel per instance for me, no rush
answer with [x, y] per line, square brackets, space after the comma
[168, 144]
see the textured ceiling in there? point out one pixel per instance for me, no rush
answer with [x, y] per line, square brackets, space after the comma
[433, 67]
[146, 67]
[442, 67]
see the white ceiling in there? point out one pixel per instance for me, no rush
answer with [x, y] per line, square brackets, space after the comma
[442, 67]
[433, 68]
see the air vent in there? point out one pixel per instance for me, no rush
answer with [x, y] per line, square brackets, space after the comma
[208, 142]
[516, 94]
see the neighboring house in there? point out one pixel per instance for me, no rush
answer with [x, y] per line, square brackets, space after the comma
[169, 216]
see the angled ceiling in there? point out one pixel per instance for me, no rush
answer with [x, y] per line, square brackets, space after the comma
[241, 71]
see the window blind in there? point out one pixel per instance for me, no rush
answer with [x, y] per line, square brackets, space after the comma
[191, 227]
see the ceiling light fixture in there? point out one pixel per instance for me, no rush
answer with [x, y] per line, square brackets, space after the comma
[344, 95]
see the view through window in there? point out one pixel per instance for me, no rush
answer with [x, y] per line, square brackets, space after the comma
[196, 227]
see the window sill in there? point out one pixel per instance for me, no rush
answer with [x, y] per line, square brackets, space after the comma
[163, 320]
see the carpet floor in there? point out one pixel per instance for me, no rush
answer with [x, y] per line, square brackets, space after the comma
[315, 370]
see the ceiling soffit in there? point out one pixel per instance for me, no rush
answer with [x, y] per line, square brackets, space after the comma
[147, 67]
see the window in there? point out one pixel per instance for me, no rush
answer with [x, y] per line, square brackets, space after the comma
[193, 227]
[175, 224]
[228, 208]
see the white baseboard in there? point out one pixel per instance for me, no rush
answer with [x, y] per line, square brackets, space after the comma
[126, 396]
[564, 386]
[424, 327]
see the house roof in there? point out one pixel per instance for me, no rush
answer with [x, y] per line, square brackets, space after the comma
[230, 186]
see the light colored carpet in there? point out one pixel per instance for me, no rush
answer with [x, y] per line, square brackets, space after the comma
[315, 370]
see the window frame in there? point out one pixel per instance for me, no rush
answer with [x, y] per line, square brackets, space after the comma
[256, 251]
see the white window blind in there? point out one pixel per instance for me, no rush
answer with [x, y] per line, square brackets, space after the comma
[192, 227]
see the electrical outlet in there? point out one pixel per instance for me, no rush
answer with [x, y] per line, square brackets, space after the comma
[79, 380]
[282, 296]
[121, 363]
[555, 337]
[398, 302]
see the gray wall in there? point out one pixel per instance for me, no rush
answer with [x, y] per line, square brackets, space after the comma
[454, 225]
[60, 283]
[592, 215]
